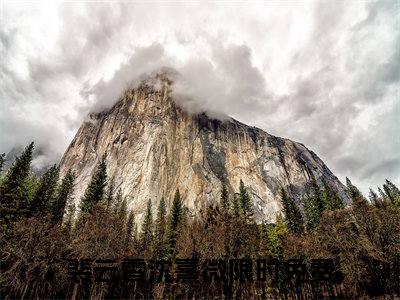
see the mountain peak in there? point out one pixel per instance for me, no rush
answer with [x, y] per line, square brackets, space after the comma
[155, 147]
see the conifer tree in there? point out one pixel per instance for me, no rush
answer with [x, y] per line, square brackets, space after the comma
[96, 188]
[353, 191]
[147, 230]
[330, 198]
[224, 197]
[246, 204]
[392, 192]
[122, 211]
[160, 229]
[130, 224]
[311, 211]
[293, 217]
[373, 197]
[314, 204]
[135, 234]
[317, 196]
[2, 161]
[46, 193]
[175, 218]
[236, 205]
[64, 196]
[14, 195]
[69, 218]
[176, 210]
[382, 194]
[117, 201]
[110, 194]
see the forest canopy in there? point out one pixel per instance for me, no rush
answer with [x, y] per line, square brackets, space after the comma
[43, 232]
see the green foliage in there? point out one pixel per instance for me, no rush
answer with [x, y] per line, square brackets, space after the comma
[176, 210]
[117, 202]
[330, 198]
[236, 205]
[271, 238]
[69, 218]
[96, 188]
[317, 195]
[364, 238]
[64, 196]
[122, 210]
[33, 253]
[293, 218]
[160, 228]
[353, 191]
[46, 193]
[15, 189]
[311, 213]
[373, 197]
[225, 204]
[176, 216]
[392, 192]
[2, 161]
[246, 205]
[314, 205]
[146, 237]
[110, 194]
[382, 194]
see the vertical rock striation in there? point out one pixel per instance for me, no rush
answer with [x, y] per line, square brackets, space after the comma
[155, 147]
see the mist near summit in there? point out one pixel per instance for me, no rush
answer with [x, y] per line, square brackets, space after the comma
[322, 73]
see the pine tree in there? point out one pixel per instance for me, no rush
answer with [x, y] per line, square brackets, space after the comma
[246, 204]
[392, 192]
[314, 204]
[2, 161]
[122, 210]
[353, 191]
[176, 215]
[236, 205]
[69, 218]
[64, 196]
[317, 196]
[330, 198]
[147, 230]
[46, 193]
[110, 194]
[130, 224]
[382, 195]
[95, 190]
[293, 217]
[373, 197]
[117, 201]
[135, 234]
[176, 210]
[14, 194]
[224, 197]
[160, 229]
[311, 211]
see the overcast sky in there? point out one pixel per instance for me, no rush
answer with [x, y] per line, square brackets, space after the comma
[324, 73]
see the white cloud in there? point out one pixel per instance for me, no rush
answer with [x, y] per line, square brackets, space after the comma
[322, 73]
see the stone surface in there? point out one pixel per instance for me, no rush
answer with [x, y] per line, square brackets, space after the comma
[155, 147]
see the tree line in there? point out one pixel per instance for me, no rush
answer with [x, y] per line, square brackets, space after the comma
[41, 228]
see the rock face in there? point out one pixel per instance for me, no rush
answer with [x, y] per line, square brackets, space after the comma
[154, 147]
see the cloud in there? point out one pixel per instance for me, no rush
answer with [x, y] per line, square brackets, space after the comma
[322, 73]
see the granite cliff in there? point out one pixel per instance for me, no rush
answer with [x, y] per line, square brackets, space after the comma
[155, 147]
